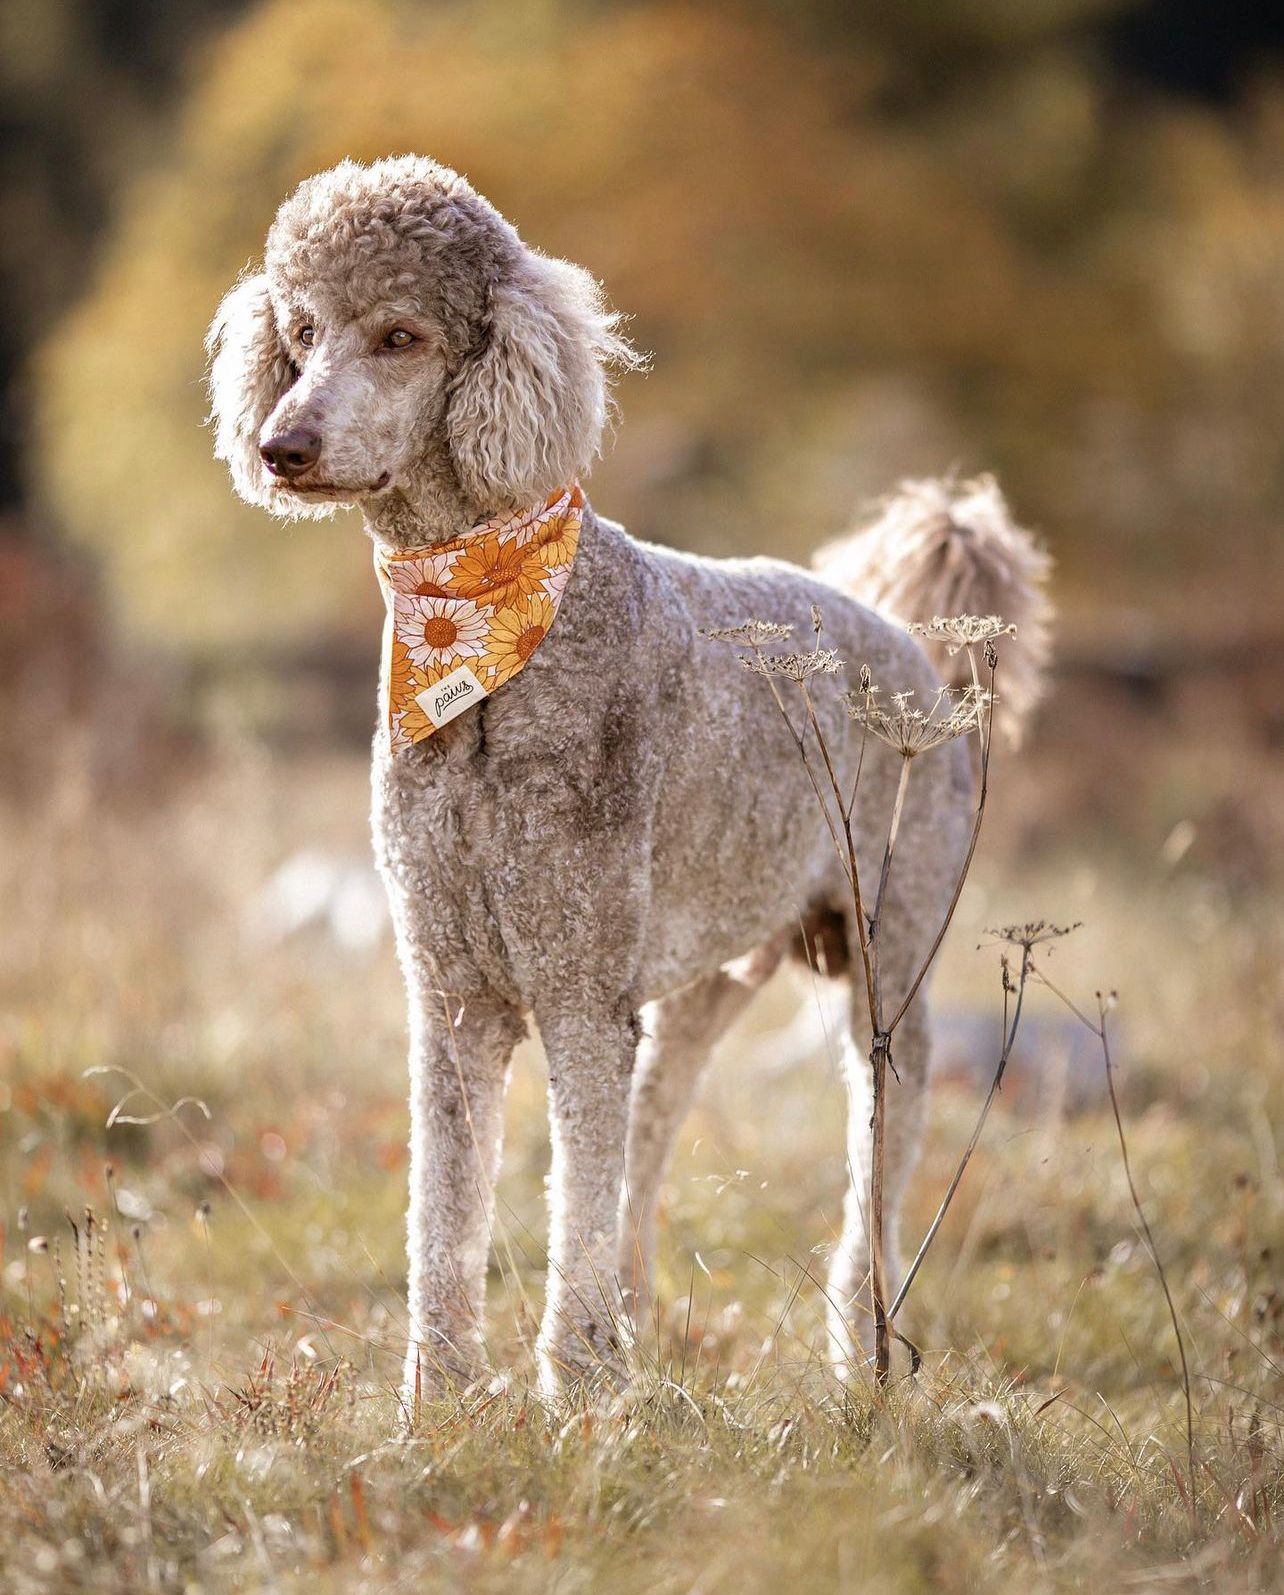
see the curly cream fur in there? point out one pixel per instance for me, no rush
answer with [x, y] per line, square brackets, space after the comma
[952, 548]
[527, 414]
[622, 841]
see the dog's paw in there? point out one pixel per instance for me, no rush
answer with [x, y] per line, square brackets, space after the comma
[435, 1372]
[585, 1356]
[851, 1351]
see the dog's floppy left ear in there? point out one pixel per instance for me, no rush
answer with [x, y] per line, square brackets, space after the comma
[250, 372]
[527, 410]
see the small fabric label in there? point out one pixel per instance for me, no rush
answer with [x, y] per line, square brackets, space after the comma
[451, 695]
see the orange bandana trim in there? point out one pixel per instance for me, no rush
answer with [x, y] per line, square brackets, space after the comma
[465, 616]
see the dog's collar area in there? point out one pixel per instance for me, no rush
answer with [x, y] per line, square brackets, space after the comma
[465, 616]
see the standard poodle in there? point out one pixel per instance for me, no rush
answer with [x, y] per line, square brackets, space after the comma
[585, 811]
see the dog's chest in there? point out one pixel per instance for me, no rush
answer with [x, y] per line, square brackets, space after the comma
[441, 841]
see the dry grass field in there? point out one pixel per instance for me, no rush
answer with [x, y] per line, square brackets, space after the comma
[860, 243]
[197, 1383]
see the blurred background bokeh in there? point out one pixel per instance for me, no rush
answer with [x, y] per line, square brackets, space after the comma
[1043, 238]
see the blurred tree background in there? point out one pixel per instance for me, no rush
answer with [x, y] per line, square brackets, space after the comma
[1043, 237]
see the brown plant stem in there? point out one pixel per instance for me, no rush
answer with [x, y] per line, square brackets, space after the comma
[880, 1055]
[1009, 1038]
[987, 738]
[892, 832]
[879, 1058]
[1101, 1032]
[839, 825]
[1153, 1249]
[850, 863]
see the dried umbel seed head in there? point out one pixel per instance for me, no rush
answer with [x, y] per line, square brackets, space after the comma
[1032, 934]
[749, 634]
[911, 731]
[961, 631]
[794, 667]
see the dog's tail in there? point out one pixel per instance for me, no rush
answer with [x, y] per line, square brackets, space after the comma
[947, 548]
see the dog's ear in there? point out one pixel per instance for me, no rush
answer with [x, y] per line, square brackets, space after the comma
[250, 371]
[527, 410]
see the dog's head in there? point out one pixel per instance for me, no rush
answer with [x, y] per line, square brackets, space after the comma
[398, 316]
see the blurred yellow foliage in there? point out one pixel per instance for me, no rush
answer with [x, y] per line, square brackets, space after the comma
[835, 293]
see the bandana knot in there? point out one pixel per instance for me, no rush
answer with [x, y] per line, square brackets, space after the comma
[465, 616]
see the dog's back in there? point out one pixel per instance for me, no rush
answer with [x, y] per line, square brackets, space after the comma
[738, 847]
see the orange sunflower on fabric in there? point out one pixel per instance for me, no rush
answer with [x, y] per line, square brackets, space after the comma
[515, 634]
[493, 572]
[559, 551]
[411, 722]
[403, 678]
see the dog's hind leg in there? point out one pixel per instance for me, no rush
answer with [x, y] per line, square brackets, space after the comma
[851, 1322]
[679, 1033]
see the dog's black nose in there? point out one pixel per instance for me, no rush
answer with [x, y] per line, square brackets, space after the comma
[291, 453]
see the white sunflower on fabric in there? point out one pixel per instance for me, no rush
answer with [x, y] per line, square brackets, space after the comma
[439, 633]
[427, 575]
[519, 526]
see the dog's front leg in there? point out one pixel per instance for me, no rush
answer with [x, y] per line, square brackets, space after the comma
[590, 1051]
[459, 1057]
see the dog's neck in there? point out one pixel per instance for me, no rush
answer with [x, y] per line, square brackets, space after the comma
[425, 507]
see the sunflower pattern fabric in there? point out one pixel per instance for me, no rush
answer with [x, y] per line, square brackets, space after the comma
[465, 616]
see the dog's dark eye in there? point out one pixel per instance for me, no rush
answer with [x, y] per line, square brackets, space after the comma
[399, 338]
[307, 336]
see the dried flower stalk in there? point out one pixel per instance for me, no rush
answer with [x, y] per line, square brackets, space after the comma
[910, 731]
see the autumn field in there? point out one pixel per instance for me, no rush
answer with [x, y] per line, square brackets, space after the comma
[203, 1194]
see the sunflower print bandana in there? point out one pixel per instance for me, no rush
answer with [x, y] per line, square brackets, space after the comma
[465, 616]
